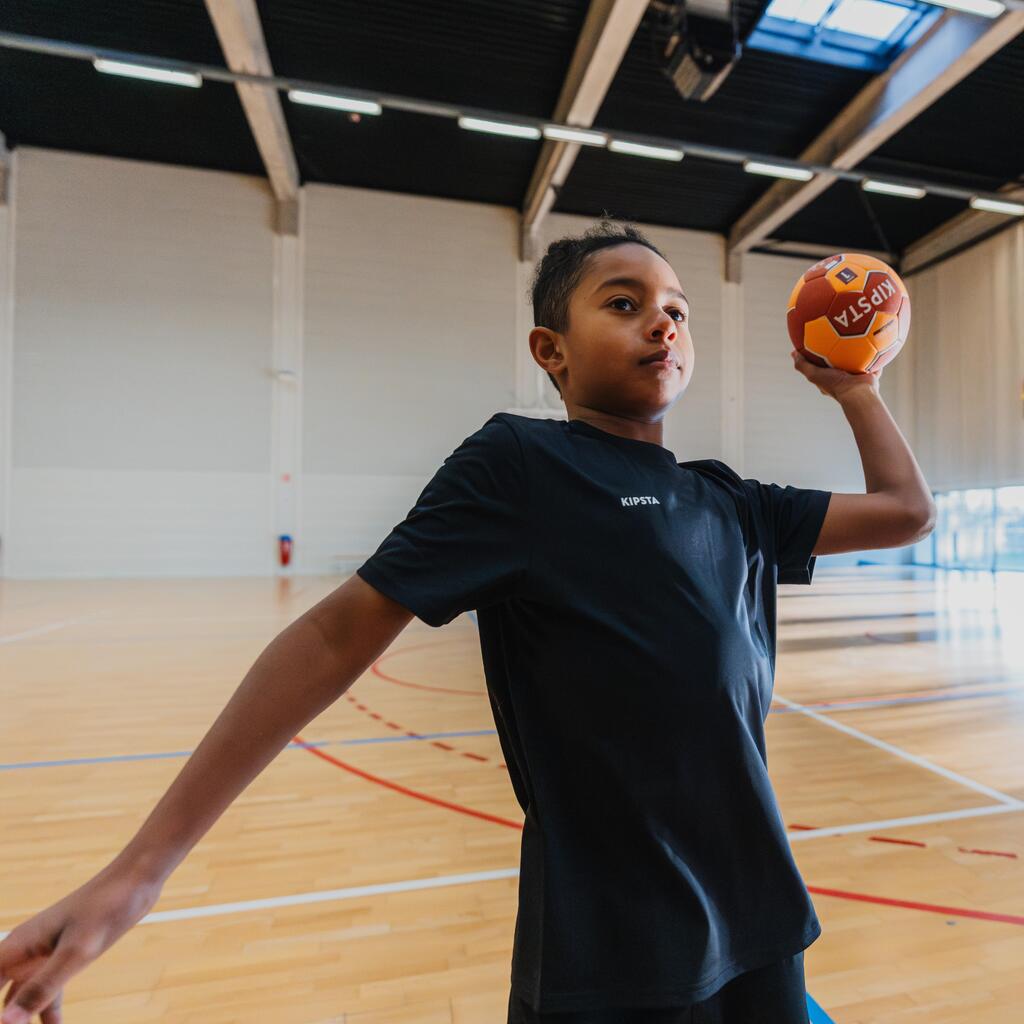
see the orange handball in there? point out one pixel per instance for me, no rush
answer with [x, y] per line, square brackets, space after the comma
[849, 311]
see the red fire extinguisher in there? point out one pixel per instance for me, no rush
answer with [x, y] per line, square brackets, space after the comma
[284, 545]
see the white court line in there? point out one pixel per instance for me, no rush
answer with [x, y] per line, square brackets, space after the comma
[328, 895]
[917, 819]
[39, 630]
[921, 762]
[216, 909]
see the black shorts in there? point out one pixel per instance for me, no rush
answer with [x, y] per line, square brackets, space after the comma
[775, 994]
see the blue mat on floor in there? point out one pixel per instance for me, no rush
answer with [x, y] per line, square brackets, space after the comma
[816, 1014]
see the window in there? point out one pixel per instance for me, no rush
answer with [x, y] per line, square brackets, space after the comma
[980, 528]
[864, 34]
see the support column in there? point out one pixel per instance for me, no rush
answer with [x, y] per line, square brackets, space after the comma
[7, 207]
[732, 375]
[286, 403]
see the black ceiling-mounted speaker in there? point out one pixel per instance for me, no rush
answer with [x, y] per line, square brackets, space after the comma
[700, 44]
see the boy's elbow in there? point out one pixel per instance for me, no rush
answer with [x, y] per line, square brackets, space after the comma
[922, 524]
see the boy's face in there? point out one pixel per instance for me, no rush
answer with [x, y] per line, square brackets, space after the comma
[627, 306]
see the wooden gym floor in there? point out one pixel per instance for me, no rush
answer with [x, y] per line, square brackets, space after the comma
[369, 877]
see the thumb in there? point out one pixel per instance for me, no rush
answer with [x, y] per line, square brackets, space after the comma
[37, 992]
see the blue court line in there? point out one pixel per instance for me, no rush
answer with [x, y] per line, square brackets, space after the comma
[188, 753]
[113, 758]
[881, 702]
[816, 1014]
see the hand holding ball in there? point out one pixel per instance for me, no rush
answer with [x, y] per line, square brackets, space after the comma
[850, 312]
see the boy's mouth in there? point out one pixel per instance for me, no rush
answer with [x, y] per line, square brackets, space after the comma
[663, 355]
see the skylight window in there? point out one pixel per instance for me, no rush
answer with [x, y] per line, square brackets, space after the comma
[863, 34]
[875, 19]
[810, 12]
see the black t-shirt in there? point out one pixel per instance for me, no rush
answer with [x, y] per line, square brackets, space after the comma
[627, 617]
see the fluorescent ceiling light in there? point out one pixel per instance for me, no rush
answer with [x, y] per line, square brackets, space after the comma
[636, 149]
[150, 74]
[871, 18]
[517, 131]
[777, 170]
[326, 99]
[887, 188]
[998, 206]
[580, 135]
[808, 12]
[986, 8]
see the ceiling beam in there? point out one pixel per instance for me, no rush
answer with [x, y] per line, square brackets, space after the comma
[958, 232]
[606, 34]
[816, 250]
[954, 47]
[238, 27]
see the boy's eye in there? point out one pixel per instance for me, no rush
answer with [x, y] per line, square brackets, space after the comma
[677, 314]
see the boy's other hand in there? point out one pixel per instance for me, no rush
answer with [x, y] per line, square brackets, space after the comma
[832, 382]
[41, 954]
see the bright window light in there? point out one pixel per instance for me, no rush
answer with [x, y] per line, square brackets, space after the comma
[637, 149]
[149, 74]
[809, 12]
[887, 188]
[998, 206]
[518, 131]
[580, 135]
[332, 102]
[986, 8]
[777, 170]
[867, 35]
[872, 18]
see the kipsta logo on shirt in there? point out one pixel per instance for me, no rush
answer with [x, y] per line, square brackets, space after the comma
[640, 501]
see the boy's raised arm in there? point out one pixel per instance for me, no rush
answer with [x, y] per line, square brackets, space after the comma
[302, 671]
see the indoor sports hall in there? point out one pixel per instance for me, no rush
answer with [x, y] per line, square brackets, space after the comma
[398, 625]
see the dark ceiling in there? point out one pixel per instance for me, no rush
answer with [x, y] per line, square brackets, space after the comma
[508, 57]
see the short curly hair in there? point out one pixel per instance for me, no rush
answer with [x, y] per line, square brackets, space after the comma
[559, 271]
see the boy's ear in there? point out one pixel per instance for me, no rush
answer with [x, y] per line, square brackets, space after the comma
[546, 346]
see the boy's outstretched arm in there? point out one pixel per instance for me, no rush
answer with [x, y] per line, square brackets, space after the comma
[302, 671]
[898, 507]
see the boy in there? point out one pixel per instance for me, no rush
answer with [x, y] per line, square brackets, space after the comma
[626, 607]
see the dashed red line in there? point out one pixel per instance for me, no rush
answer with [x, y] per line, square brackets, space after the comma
[916, 842]
[903, 842]
[990, 853]
[433, 743]
[968, 912]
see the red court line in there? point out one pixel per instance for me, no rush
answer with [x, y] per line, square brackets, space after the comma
[375, 669]
[934, 908]
[405, 790]
[983, 915]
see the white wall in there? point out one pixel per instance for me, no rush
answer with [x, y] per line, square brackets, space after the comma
[409, 349]
[140, 420]
[151, 304]
[963, 366]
